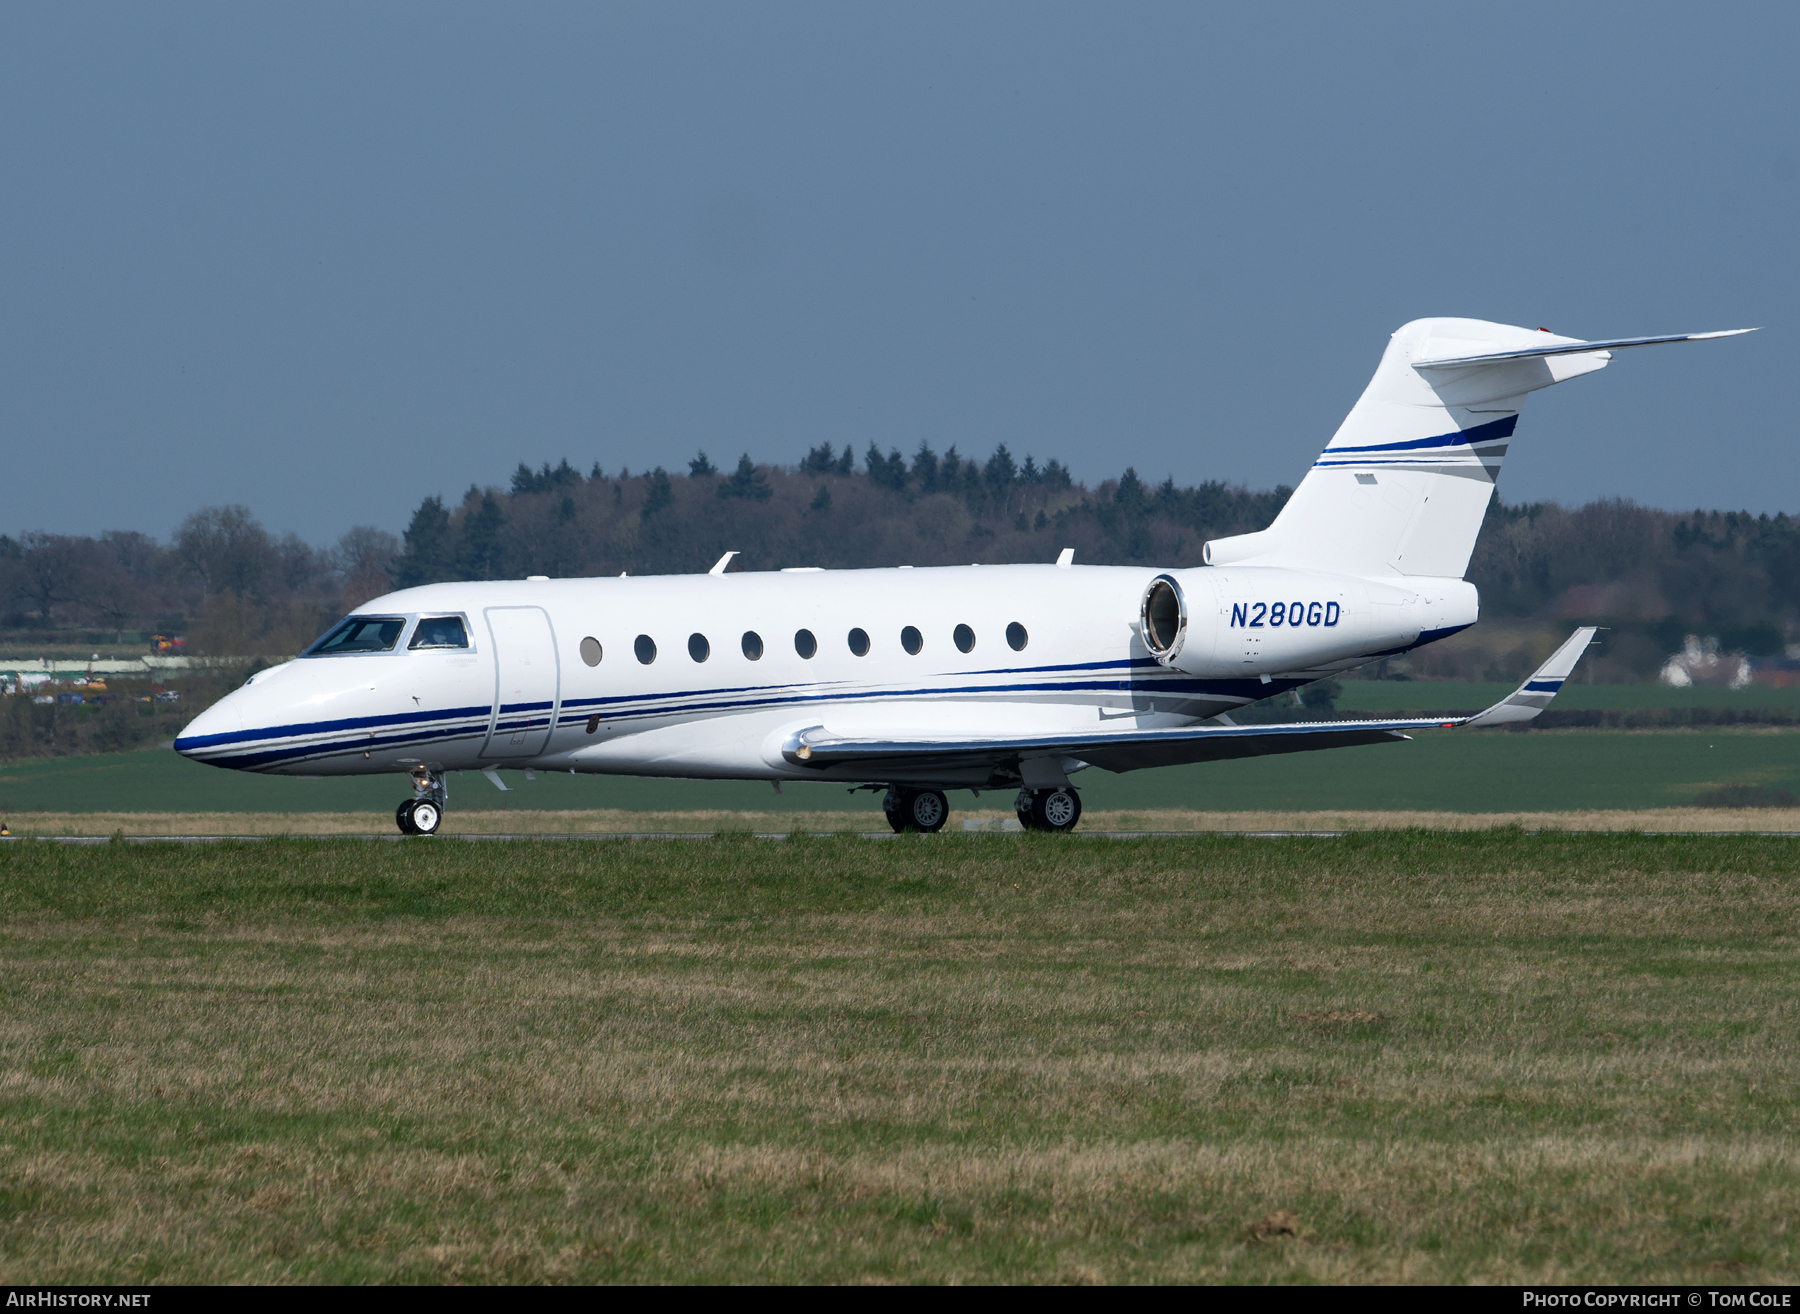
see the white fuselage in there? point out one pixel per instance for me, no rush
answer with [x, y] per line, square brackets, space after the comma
[523, 694]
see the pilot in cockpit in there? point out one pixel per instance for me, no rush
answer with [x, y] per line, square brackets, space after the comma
[440, 632]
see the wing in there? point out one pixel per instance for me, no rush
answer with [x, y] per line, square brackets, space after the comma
[1128, 750]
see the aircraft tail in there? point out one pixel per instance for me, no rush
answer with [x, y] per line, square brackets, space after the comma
[1403, 485]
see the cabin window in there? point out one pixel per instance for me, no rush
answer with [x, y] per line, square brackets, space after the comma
[590, 651]
[439, 632]
[805, 644]
[965, 639]
[645, 647]
[698, 648]
[912, 640]
[859, 642]
[752, 645]
[360, 634]
[1016, 638]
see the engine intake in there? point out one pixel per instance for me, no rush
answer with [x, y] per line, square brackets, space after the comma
[1164, 617]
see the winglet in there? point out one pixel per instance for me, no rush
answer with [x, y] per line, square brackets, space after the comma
[722, 562]
[1535, 694]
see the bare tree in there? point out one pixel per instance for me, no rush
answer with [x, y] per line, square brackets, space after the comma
[125, 581]
[226, 549]
[361, 559]
[54, 568]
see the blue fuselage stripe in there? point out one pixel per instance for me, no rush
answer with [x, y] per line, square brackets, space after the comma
[695, 702]
[364, 734]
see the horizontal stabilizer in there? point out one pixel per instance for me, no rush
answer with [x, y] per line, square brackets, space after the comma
[1128, 750]
[1563, 347]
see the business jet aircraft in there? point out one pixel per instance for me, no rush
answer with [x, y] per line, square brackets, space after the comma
[968, 677]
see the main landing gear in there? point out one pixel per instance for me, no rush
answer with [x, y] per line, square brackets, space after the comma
[1048, 809]
[916, 809]
[424, 811]
[927, 810]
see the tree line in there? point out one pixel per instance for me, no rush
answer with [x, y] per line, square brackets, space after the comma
[936, 509]
[237, 590]
[222, 577]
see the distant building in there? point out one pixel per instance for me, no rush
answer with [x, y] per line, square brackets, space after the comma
[1701, 662]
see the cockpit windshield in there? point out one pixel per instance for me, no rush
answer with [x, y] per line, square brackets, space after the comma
[360, 634]
[440, 632]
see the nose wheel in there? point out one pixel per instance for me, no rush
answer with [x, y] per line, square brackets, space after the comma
[423, 813]
[1048, 809]
[418, 816]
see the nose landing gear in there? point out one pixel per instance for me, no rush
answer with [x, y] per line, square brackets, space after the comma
[1048, 809]
[424, 811]
[916, 809]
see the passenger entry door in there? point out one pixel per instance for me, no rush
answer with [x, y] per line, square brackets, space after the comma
[526, 680]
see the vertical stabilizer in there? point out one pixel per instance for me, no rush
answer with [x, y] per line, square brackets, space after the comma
[1403, 485]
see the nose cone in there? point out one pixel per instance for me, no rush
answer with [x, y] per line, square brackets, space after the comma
[215, 730]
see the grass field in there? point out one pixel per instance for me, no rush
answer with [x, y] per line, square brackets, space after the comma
[1471, 771]
[1390, 1057]
[1446, 695]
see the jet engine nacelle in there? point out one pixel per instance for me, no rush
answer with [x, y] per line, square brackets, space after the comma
[1259, 620]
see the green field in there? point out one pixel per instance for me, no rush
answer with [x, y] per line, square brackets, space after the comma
[1449, 695]
[1397, 1057]
[1469, 771]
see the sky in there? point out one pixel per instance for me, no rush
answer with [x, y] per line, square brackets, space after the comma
[325, 260]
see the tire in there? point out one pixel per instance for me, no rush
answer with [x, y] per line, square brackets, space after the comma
[403, 817]
[927, 811]
[427, 816]
[1055, 809]
[924, 810]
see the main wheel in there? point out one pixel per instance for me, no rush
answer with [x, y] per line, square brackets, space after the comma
[403, 816]
[426, 816]
[1055, 809]
[927, 811]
